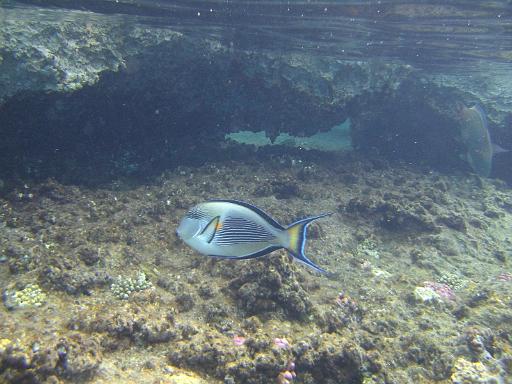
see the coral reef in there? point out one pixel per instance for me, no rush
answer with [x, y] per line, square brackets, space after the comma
[467, 372]
[444, 291]
[254, 361]
[114, 125]
[71, 358]
[287, 375]
[393, 213]
[329, 359]
[123, 287]
[402, 303]
[426, 295]
[30, 296]
[452, 280]
[74, 281]
[264, 289]
[130, 323]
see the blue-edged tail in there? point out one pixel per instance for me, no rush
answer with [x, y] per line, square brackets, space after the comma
[297, 236]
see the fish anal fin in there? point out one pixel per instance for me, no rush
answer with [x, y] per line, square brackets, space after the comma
[263, 252]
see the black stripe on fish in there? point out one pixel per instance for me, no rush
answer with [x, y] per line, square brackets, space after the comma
[239, 240]
[257, 232]
[197, 214]
[258, 211]
[237, 223]
[238, 231]
[263, 252]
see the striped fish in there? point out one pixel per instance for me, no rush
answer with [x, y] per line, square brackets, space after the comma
[232, 229]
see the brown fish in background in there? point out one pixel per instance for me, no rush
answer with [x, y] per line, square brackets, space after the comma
[476, 138]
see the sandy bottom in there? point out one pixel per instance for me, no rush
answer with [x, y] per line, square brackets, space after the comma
[97, 287]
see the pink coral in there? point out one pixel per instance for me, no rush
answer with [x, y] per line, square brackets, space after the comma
[239, 340]
[505, 276]
[287, 375]
[281, 343]
[443, 290]
[346, 302]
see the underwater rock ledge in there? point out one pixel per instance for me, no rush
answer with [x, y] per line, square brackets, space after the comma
[61, 50]
[94, 79]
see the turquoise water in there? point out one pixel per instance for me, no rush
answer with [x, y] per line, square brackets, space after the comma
[335, 139]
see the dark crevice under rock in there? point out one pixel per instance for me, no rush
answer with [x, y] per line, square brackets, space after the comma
[173, 103]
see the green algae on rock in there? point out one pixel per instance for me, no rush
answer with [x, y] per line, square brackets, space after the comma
[474, 372]
[70, 357]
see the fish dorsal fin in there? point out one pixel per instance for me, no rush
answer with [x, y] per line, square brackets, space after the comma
[256, 210]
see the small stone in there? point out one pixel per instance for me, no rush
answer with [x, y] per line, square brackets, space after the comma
[426, 295]
[168, 370]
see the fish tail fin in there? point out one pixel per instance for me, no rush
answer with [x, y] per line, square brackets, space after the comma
[496, 149]
[297, 236]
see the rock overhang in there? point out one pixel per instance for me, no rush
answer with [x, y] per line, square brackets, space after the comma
[105, 76]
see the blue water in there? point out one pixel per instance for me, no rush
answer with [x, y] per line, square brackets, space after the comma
[423, 33]
[118, 116]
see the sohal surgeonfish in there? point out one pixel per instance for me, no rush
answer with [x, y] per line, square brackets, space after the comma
[232, 229]
[476, 139]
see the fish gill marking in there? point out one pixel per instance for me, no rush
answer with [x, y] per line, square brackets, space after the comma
[213, 222]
